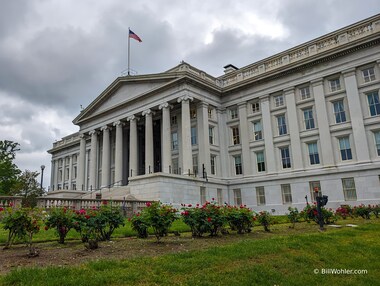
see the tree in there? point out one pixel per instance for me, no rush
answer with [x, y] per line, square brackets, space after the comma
[9, 172]
[29, 188]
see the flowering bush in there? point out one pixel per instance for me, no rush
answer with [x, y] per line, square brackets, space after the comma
[239, 218]
[62, 219]
[293, 216]
[310, 213]
[265, 219]
[209, 218]
[140, 225]
[22, 223]
[343, 211]
[96, 225]
[376, 210]
[362, 210]
[156, 215]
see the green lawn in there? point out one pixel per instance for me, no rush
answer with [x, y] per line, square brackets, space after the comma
[274, 259]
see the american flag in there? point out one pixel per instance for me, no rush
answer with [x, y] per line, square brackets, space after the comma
[134, 36]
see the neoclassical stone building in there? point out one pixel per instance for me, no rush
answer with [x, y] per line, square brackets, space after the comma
[266, 135]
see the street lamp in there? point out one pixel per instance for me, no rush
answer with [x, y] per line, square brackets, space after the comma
[42, 176]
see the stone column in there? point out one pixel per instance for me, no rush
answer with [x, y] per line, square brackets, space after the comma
[295, 141]
[63, 172]
[203, 138]
[323, 124]
[166, 133]
[268, 135]
[93, 159]
[222, 140]
[52, 174]
[244, 139]
[106, 157]
[119, 154]
[133, 168]
[56, 163]
[149, 162]
[187, 159]
[356, 114]
[70, 172]
[81, 163]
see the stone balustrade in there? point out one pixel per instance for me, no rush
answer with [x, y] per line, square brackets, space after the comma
[127, 206]
[6, 201]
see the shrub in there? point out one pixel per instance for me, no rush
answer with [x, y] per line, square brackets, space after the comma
[209, 218]
[140, 225]
[265, 219]
[343, 211]
[22, 223]
[239, 218]
[362, 211]
[62, 219]
[376, 210]
[293, 216]
[160, 217]
[310, 213]
[108, 219]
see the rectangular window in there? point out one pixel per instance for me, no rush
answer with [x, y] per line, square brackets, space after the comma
[315, 190]
[313, 153]
[278, 100]
[339, 113]
[212, 164]
[281, 124]
[195, 165]
[211, 135]
[175, 169]
[305, 92]
[67, 173]
[257, 131]
[238, 166]
[286, 194]
[255, 107]
[345, 148]
[219, 194]
[234, 113]
[334, 84]
[174, 120]
[368, 74]
[285, 158]
[75, 172]
[193, 113]
[260, 161]
[349, 189]
[373, 103]
[237, 197]
[260, 196]
[174, 141]
[193, 135]
[309, 119]
[210, 113]
[377, 142]
[203, 195]
[235, 135]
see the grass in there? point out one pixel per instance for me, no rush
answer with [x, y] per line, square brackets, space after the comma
[272, 259]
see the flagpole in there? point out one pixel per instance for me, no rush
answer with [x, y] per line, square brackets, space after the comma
[129, 39]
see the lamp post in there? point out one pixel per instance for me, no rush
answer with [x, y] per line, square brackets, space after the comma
[42, 176]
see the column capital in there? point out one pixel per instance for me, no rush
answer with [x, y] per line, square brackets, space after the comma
[82, 136]
[185, 98]
[92, 132]
[118, 123]
[289, 90]
[165, 105]
[203, 104]
[147, 112]
[132, 117]
[105, 128]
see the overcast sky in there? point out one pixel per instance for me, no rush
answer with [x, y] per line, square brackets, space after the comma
[56, 55]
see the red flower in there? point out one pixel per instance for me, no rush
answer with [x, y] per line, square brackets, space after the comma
[87, 216]
[197, 205]
[10, 204]
[213, 199]
[105, 203]
[209, 219]
[148, 204]
[1, 209]
[82, 211]
[190, 205]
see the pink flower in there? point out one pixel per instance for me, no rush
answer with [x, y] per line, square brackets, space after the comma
[190, 205]
[148, 204]
[213, 199]
[105, 203]
[1, 209]
[209, 219]
[10, 204]
[82, 211]
[197, 205]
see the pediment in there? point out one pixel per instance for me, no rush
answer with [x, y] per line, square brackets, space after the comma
[120, 92]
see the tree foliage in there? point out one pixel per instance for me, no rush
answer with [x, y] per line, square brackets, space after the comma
[9, 171]
[29, 188]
